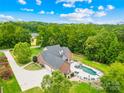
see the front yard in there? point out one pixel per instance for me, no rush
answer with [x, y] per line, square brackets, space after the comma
[11, 86]
[35, 52]
[33, 66]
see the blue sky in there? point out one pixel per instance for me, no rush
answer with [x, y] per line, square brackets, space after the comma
[63, 11]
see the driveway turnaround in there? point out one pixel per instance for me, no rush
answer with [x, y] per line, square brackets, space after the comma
[26, 79]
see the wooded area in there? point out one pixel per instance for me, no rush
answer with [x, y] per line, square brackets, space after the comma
[102, 43]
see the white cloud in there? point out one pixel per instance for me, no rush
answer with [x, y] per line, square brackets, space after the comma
[110, 7]
[42, 12]
[51, 12]
[91, 6]
[38, 2]
[68, 5]
[89, 1]
[27, 9]
[79, 15]
[100, 14]
[6, 17]
[101, 7]
[71, 3]
[83, 15]
[23, 2]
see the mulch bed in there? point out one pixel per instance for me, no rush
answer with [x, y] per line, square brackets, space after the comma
[3, 59]
[5, 70]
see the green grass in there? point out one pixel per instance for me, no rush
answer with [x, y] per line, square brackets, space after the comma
[84, 88]
[34, 90]
[10, 86]
[33, 66]
[102, 67]
[1, 54]
[36, 51]
[16, 59]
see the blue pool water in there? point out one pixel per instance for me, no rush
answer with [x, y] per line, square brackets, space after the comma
[87, 70]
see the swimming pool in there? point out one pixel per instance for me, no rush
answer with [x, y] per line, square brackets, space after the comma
[86, 69]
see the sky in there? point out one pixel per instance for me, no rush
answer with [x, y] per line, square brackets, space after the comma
[63, 11]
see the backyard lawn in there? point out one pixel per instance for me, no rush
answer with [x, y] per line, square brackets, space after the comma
[102, 67]
[84, 88]
[33, 66]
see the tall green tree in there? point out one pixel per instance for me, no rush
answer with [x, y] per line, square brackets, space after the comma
[57, 83]
[11, 34]
[104, 47]
[22, 52]
[113, 81]
[120, 57]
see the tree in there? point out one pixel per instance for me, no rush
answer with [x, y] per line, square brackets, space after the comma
[57, 83]
[120, 57]
[10, 34]
[104, 47]
[113, 81]
[34, 59]
[22, 52]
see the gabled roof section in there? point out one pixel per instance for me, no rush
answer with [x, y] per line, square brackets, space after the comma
[55, 55]
[52, 60]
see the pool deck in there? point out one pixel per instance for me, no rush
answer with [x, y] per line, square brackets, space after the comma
[84, 76]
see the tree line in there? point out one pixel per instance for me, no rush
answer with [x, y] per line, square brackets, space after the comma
[11, 34]
[102, 43]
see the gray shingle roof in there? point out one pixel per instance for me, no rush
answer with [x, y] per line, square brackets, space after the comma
[52, 56]
[52, 60]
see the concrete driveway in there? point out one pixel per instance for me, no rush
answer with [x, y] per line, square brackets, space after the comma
[26, 79]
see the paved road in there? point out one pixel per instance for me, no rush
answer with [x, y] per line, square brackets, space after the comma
[26, 79]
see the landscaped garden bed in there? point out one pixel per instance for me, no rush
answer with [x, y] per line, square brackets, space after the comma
[5, 70]
[34, 52]
[33, 66]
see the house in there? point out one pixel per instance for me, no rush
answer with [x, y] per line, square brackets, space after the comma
[34, 39]
[56, 58]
